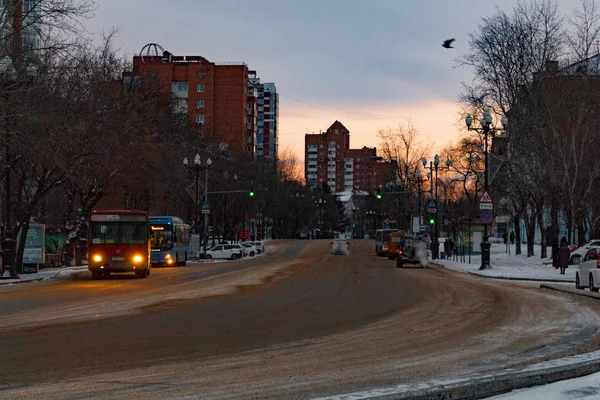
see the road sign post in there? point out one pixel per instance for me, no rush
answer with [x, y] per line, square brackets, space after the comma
[486, 216]
[431, 206]
[485, 201]
[205, 207]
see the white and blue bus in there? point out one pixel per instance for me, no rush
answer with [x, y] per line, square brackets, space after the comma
[169, 241]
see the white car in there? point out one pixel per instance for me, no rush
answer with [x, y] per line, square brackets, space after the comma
[588, 271]
[578, 253]
[228, 251]
[250, 249]
[260, 247]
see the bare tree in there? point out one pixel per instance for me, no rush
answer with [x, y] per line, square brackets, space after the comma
[585, 30]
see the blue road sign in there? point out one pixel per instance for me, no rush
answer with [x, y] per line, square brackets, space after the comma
[431, 206]
[486, 216]
[206, 205]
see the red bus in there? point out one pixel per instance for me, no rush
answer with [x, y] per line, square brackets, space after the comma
[119, 242]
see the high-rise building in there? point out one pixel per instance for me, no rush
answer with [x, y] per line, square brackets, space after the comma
[271, 121]
[330, 160]
[213, 95]
[19, 26]
[266, 123]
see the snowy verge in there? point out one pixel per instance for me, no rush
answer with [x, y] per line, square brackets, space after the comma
[43, 274]
[510, 266]
[486, 385]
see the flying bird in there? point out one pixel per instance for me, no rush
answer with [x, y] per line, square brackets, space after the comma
[447, 43]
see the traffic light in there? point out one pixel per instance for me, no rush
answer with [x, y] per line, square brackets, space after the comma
[431, 221]
[251, 193]
[378, 196]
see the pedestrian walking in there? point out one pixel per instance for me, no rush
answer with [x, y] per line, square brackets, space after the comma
[446, 248]
[563, 255]
[506, 243]
[450, 248]
[422, 253]
[512, 237]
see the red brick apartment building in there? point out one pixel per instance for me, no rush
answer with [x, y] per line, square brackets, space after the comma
[329, 159]
[214, 95]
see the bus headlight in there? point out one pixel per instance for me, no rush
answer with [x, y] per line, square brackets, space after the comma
[168, 256]
[138, 259]
[97, 258]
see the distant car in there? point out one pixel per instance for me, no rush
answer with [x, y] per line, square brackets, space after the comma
[588, 271]
[250, 249]
[339, 247]
[579, 252]
[260, 247]
[227, 251]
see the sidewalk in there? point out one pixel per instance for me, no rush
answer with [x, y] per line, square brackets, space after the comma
[43, 274]
[505, 266]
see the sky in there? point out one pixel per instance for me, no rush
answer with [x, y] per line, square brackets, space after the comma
[371, 64]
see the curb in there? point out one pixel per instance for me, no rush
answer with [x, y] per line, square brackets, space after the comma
[511, 278]
[19, 281]
[27, 280]
[574, 291]
[485, 385]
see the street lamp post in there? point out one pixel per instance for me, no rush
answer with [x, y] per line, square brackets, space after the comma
[436, 163]
[197, 167]
[320, 203]
[486, 128]
[10, 77]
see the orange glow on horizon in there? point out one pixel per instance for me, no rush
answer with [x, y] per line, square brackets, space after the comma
[437, 122]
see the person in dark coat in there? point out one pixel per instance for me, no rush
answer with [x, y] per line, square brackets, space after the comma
[563, 255]
[506, 245]
[512, 237]
[555, 253]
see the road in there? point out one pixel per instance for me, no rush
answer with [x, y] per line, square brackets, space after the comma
[296, 323]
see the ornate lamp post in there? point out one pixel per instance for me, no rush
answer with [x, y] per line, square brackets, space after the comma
[320, 203]
[197, 167]
[486, 128]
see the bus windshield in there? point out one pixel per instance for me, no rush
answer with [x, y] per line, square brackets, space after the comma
[161, 238]
[118, 232]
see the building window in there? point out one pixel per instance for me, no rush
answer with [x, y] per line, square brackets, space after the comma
[200, 87]
[199, 104]
[199, 118]
[201, 74]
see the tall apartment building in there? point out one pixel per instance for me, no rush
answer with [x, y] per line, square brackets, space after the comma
[329, 159]
[263, 115]
[214, 95]
[19, 26]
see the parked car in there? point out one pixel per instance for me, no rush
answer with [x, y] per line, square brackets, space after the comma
[588, 271]
[250, 249]
[260, 247]
[579, 252]
[227, 251]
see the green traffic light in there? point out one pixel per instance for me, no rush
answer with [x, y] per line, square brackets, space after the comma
[431, 221]
[251, 194]
[378, 195]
